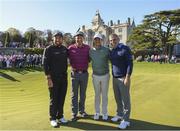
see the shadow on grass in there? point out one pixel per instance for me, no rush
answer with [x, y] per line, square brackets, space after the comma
[143, 125]
[89, 126]
[23, 70]
[4, 75]
[135, 125]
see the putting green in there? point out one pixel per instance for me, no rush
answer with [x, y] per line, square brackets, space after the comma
[155, 100]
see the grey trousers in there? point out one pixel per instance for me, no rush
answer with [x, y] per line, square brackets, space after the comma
[101, 86]
[122, 97]
[79, 85]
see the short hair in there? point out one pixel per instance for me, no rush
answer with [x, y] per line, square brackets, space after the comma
[114, 35]
[79, 33]
[58, 34]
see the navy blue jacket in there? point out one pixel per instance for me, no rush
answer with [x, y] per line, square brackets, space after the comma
[122, 62]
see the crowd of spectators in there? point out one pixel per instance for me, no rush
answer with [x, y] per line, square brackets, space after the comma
[23, 45]
[20, 60]
[157, 58]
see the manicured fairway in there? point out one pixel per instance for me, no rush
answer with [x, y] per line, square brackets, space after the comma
[155, 96]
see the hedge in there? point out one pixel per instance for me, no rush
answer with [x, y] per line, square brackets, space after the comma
[33, 51]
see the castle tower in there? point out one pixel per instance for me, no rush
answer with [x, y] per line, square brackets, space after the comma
[96, 21]
[123, 30]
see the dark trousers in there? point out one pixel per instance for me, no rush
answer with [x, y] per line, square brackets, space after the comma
[57, 97]
[79, 83]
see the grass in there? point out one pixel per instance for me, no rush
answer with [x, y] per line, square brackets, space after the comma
[24, 100]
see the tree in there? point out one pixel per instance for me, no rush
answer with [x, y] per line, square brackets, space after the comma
[141, 40]
[30, 36]
[7, 39]
[158, 30]
[48, 36]
[68, 39]
[15, 35]
[2, 38]
[39, 38]
[164, 25]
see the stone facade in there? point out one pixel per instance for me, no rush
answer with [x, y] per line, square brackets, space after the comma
[123, 30]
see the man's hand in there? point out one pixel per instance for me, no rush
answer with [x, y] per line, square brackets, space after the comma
[127, 81]
[50, 83]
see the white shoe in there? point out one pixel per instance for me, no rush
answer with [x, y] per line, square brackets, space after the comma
[124, 124]
[63, 120]
[96, 116]
[105, 117]
[54, 123]
[116, 118]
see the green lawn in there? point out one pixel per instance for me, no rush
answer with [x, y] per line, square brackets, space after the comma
[155, 100]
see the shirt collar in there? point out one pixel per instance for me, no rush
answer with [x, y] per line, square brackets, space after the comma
[118, 45]
[78, 46]
[57, 45]
[98, 47]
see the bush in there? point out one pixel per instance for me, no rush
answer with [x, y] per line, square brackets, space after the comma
[33, 51]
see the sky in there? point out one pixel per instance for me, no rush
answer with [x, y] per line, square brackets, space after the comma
[69, 15]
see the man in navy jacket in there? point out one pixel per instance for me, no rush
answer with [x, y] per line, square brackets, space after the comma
[122, 66]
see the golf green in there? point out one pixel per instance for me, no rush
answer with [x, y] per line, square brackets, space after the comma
[155, 89]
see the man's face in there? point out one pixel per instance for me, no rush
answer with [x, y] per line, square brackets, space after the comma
[97, 41]
[58, 40]
[79, 39]
[114, 41]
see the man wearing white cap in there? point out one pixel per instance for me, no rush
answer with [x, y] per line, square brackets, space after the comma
[100, 56]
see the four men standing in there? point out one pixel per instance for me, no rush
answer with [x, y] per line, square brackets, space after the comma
[55, 66]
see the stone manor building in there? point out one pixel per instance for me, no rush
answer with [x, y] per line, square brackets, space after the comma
[123, 30]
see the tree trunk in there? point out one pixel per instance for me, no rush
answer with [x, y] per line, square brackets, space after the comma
[30, 41]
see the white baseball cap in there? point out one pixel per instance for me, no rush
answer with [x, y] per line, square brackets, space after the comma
[98, 36]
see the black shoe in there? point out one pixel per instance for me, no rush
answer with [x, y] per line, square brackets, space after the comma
[74, 118]
[83, 114]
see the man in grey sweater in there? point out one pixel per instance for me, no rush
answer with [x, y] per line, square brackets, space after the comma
[100, 56]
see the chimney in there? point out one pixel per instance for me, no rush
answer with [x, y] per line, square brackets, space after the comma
[129, 21]
[83, 27]
[118, 22]
[111, 23]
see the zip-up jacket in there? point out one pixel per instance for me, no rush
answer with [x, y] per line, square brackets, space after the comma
[55, 60]
[122, 62]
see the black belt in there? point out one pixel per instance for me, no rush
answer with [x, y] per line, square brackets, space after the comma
[119, 76]
[80, 71]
